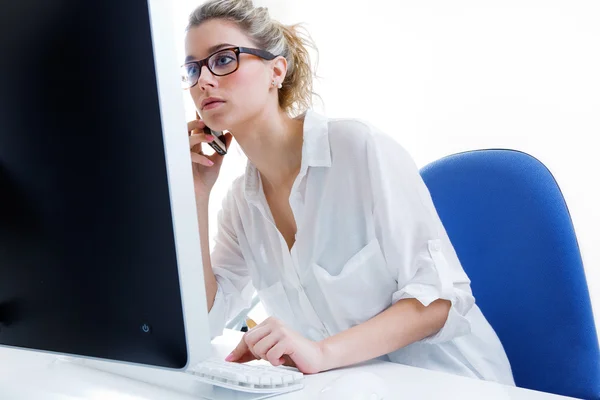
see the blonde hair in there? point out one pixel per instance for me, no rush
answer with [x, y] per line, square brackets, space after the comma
[291, 42]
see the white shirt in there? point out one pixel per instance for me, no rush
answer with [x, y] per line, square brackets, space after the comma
[367, 236]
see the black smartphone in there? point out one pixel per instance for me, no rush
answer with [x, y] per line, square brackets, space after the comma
[218, 144]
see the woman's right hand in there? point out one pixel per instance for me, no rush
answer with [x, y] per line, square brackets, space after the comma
[205, 168]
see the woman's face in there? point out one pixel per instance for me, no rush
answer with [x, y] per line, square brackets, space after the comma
[245, 92]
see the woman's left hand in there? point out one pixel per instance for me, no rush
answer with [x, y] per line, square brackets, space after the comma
[279, 345]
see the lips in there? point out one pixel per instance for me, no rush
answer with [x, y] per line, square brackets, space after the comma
[210, 100]
[214, 104]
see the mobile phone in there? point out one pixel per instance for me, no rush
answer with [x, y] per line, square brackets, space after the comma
[218, 144]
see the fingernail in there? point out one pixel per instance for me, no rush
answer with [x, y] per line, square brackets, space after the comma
[211, 163]
[229, 357]
[210, 138]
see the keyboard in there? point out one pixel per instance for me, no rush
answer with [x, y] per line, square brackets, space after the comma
[251, 378]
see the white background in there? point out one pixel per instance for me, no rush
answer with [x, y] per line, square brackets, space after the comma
[443, 77]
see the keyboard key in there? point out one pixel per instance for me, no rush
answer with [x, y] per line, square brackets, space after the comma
[265, 380]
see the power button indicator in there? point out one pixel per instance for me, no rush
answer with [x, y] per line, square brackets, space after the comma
[145, 328]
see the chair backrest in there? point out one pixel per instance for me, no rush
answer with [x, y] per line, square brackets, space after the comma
[512, 231]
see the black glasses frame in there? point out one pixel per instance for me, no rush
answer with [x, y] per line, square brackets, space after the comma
[237, 50]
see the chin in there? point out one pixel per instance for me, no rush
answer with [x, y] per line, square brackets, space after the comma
[218, 121]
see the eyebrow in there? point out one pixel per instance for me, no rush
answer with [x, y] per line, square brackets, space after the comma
[211, 50]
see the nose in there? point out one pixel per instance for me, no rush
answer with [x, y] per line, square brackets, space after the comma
[206, 78]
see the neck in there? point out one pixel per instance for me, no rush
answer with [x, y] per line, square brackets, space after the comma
[272, 141]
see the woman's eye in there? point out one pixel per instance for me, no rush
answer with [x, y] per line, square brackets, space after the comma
[224, 60]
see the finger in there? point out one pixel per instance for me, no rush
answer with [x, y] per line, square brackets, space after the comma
[239, 352]
[197, 149]
[247, 357]
[265, 344]
[195, 124]
[200, 138]
[287, 361]
[256, 334]
[276, 354]
[201, 159]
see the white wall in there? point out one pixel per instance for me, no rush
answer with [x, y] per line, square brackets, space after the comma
[443, 77]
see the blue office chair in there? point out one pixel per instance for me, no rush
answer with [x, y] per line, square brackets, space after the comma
[512, 231]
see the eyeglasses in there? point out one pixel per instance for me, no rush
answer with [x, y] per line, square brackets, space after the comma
[220, 63]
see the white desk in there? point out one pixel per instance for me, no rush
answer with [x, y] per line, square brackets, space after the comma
[30, 375]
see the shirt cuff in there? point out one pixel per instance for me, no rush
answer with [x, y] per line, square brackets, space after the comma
[456, 324]
[437, 284]
[216, 315]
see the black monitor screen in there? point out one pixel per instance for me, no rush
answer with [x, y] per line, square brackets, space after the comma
[87, 253]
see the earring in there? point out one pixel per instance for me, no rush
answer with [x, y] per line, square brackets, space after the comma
[278, 86]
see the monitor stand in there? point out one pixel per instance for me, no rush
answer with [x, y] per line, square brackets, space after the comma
[110, 377]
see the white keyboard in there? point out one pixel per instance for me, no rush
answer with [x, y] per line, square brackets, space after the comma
[251, 378]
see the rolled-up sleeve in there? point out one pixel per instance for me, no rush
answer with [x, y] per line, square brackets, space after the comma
[234, 288]
[413, 239]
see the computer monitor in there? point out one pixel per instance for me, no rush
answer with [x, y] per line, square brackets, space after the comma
[99, 246]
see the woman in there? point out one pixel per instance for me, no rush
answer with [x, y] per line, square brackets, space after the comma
[331, 222]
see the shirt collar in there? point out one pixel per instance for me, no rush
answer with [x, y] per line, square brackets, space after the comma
[315, 150]
[315, 147]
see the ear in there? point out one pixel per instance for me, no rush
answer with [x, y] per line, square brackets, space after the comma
[279, 69]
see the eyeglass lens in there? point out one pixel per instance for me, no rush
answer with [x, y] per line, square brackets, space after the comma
[221, 63]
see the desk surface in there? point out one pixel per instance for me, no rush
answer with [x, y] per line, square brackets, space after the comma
[31, 375]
